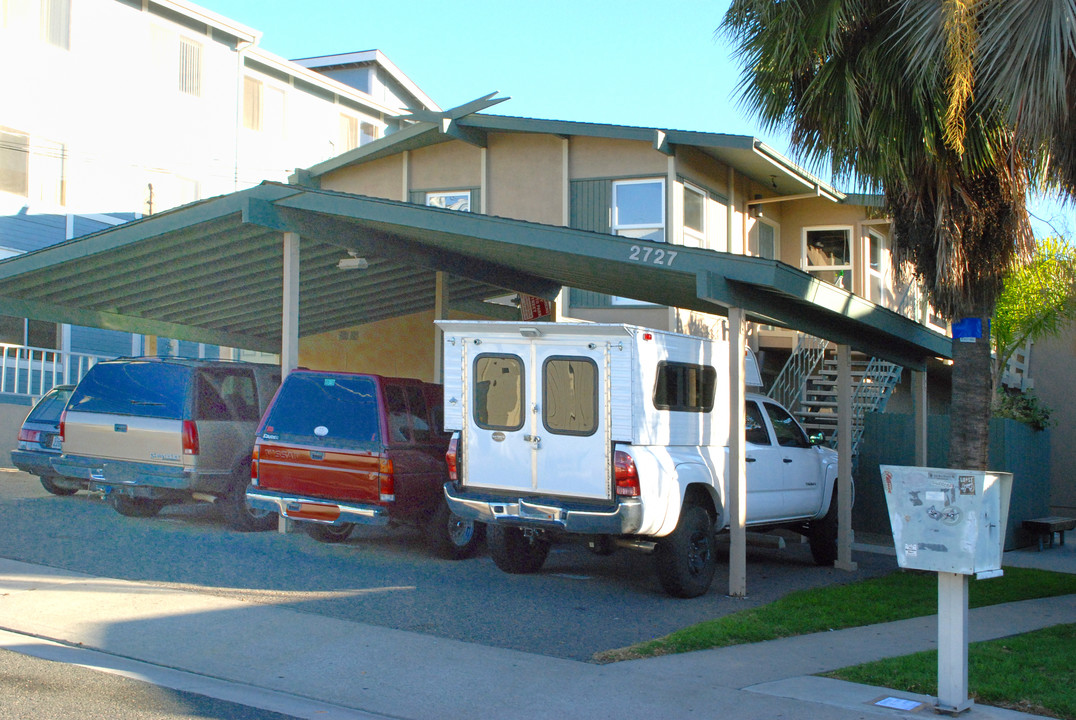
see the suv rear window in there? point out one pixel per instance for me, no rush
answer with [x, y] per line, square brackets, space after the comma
[226, 394]
[49, 408]
[328, 410]
[149, 389]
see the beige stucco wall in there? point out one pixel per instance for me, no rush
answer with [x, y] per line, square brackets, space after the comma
[446, 166]
[380, 178]
[1053, 368]
[401, 347]
[526, 177]
[601, 158]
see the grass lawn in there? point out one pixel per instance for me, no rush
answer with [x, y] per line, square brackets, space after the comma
[897, 596]
[1035, 672]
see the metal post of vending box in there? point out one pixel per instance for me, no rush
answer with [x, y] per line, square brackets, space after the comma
[952, 643]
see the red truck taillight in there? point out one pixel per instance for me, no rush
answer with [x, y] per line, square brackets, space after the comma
[625, 474]
[386, 480]
[254, 465]
[190, 438]
[451, 457]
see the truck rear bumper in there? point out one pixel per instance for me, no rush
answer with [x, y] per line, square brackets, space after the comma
[313, 509]
[129, 478]
[547, 513]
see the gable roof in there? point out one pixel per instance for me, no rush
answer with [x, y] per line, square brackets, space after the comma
[748, 155]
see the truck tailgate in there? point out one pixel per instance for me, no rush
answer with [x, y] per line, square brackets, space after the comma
[124, 437]
[323, 473]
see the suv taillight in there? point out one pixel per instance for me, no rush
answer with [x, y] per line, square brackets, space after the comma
[190, 438]
[29, 436]
[386, 480]
[451, 457]
[625, 474]
[63, 421]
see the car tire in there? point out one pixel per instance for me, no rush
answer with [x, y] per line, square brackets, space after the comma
[823, 536]
[329, 533]
[50, 486]
[685, 560]
[452, 537]
[517, 551]
[237, 513]
[135, 507]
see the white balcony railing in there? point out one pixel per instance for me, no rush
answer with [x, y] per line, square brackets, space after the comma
[32, 371]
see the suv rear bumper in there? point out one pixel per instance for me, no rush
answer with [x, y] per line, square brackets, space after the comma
[151, 480]
[547, 513]
[313, 509]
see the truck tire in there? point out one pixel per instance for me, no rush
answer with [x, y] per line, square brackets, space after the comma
[452, 537]
[329, 533]
[823, 536]
[517, 551]
[135, 506]
[50, 486]
[236, 512]
[685, 560]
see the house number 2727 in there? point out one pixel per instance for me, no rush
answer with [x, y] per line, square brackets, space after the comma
[657, 256]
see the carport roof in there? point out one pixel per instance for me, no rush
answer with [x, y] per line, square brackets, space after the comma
[212, 272]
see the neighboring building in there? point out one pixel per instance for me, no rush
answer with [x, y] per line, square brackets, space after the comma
[115, 109]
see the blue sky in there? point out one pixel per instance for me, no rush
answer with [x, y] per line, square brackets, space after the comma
[627, 62]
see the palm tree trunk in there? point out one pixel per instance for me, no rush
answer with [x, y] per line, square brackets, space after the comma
[971, 401]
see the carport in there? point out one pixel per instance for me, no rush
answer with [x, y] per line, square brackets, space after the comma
[259, 269]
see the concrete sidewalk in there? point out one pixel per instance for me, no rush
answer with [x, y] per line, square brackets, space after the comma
[308, 665]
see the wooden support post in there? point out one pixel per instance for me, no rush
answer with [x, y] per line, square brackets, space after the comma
[737, 498]
[844, 459]
[919, 402]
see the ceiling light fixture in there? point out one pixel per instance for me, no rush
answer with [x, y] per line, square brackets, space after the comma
[353, 262]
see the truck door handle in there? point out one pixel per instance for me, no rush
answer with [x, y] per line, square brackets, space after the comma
[533, 439]
[786, 460]
[749, 459]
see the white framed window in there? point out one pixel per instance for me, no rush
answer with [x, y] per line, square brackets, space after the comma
[879, 290]
[450, 200]
[763, 240]
[33, 168]
[349, 132]
[190, 67]
[368, 132]
[639, 209]
[56, 23]
[826, 253]
[252, 103]
[694, 219]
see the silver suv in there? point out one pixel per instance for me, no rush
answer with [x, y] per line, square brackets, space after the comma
[148, 432]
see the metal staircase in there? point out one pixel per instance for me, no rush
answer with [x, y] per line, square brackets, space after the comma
[807, 386]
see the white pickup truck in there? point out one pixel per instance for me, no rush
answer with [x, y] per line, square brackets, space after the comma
[621, 434]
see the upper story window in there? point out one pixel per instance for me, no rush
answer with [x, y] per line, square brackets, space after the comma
[252, 103]
[32, 168]
[190, 67]
[349, 132]
[878, 289]
[694, 216]
[762, 239]
[639, 209]
[368, 132]
[56, 23]
[827, 254]
[263, 107]
[450, 200]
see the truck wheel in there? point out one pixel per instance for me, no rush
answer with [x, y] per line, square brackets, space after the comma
[48, 484]
[329, 533]
[236, 512]
[517, 551]
[823, 536]
[685, 560]
[135, 507]
[452, 537]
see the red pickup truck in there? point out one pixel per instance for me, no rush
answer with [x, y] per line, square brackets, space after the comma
[337, 449]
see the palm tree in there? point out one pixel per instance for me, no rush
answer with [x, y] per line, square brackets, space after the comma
[874, 87]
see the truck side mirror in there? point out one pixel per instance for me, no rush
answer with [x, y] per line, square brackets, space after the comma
[817, 439]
